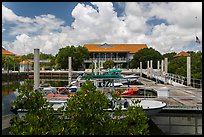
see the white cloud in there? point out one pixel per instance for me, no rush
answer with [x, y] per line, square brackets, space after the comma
[99, 24]
[8, 15]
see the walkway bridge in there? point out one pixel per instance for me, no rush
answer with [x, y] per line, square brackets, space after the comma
[169, 78]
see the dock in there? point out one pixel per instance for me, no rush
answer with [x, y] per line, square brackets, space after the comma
[180, 98]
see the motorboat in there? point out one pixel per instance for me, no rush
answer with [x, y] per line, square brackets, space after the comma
[150, 107]
[131, 91]
[57, 103]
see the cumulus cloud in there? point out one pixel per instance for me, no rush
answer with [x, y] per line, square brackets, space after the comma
[9, 15]
[99, 23]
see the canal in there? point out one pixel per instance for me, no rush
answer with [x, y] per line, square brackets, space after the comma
[164, 123]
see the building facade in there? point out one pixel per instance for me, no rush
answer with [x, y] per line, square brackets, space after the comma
[121, 54]
[25, 65]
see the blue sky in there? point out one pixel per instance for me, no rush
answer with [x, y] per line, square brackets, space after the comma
[167, 27]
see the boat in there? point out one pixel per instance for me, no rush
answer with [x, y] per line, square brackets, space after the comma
[150, 107]
[57, 103]
[103, 82]
[131, 91]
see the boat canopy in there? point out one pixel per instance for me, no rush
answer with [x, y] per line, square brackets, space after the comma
[103, 76]
[115, 71]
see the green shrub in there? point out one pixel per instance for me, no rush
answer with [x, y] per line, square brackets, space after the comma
[86, 116]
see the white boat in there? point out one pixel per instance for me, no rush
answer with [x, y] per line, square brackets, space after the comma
[131, 76]
[115, 84]
[48, 90]
[151, 107]
[57, 103]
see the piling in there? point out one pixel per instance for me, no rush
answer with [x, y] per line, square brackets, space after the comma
[162, 66]
[70, 70]
[188, 71]
[140, 69]
[36, 69]
[147, 68]
[166, 65]
[151, 69]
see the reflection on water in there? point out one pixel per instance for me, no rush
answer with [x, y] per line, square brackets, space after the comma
[6, 103]
[179, 123]
[10, 87]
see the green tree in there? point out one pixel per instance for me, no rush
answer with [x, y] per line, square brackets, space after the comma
[170, 56]
[108, 64]
[78, 54]
[29, 56]
[145, 55]
[85, 113]
[16, 64]
[91, 66]
[12, 63]
[40, 119]
[196, 64]
[43, 56]
[178, 65]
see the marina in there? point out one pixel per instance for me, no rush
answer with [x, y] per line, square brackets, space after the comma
[179, 99]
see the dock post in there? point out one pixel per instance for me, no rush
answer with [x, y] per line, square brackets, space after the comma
[147, 68]
[36, 69]
[165, 69]
[188, 71]
[162, 69]
[101, 64]
[140, 69]
[162, 65]
[95, 67]
[70, 70]
[158, 65]
[151, 69]
[166, 65]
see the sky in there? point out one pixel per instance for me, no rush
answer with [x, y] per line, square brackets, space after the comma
[165, 26]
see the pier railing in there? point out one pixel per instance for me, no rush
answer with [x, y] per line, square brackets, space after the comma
[178, 98]
[173, 79]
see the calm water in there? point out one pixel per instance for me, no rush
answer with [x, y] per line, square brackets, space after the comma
[163, 123]
[179, 123]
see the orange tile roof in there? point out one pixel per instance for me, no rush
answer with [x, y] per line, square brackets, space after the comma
[25, 62]
[6, 52]
[131, 48]
[182, 54]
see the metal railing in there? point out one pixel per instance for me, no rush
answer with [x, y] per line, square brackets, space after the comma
[173, 79]
[104, 59]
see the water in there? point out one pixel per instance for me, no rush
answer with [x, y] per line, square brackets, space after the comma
[170, 123]
[179, 123]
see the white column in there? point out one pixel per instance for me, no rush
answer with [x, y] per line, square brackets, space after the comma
[140, 69]
[70, 69]
[166, 65]
[147, 68]
[188, 71]
[158, 65]
[162, 65]
[95, 67]
[101, 64]
[36, 69]
[151, 69]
